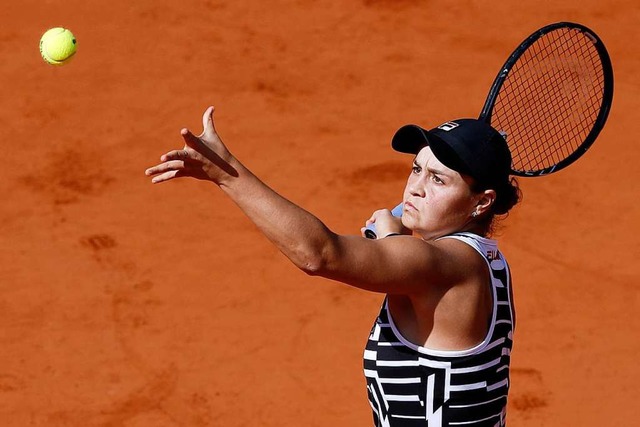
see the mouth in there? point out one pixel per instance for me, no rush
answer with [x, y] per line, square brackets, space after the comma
[408, 206]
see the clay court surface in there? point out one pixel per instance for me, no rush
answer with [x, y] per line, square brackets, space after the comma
[124, 304]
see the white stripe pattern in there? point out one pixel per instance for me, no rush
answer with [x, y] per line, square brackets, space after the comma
[444, 388]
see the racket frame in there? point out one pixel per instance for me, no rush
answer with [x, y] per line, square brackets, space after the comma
[487, 109]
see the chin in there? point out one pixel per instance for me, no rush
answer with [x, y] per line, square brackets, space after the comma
[408, 222]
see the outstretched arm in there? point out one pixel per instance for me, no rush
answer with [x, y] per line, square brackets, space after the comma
[395, 265]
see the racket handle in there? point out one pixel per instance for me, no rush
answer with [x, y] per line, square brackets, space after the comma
[370, 232]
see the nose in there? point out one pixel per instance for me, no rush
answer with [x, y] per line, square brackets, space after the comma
[415, 187]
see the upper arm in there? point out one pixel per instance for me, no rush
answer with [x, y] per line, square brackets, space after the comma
[398, 264]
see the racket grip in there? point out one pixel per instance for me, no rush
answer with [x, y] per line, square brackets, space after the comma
[370, 232]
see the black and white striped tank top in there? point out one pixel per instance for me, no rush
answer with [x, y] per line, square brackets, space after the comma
[409, 385]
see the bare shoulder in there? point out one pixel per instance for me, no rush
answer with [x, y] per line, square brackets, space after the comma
[458, 261]
[458, 250]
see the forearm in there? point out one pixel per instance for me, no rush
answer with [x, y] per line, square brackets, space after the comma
[298, 234]
[302, 237]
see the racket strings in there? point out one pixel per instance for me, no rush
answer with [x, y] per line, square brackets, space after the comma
[550, 99]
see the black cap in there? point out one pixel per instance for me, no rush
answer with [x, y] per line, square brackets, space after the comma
[468, 146]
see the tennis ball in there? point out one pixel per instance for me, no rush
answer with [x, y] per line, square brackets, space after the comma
[57, 46]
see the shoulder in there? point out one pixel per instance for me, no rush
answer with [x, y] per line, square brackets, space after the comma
[462, 258]
[440, 264]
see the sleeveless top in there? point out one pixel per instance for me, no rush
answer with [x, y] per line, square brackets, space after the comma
[409, 385]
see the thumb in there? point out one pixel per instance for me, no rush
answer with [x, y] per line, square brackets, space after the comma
[209, 130]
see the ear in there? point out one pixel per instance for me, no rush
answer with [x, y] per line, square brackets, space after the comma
[485, 200]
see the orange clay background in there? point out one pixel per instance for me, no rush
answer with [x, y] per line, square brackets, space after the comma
[124, 304]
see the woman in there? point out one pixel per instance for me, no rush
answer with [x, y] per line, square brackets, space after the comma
[439, 351]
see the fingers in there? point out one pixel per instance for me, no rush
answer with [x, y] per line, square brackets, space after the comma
[200, 158]
[165, 176]
[174, 164]
[376, 215]
[208, 132]
[190, 139]
[372, 218]
[166, 166]
[175, 155]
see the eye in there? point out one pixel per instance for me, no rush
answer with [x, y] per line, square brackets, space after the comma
[416, 169]
[437, 179]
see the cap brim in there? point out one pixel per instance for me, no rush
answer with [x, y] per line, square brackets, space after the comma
[412, 138]
[409, 139]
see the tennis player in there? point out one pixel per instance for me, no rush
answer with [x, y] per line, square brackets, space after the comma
[439, 351]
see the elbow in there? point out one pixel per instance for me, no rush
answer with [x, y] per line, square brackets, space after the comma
[317, 261]
[313, 265]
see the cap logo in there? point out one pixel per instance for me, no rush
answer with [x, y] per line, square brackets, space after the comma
[448, 126]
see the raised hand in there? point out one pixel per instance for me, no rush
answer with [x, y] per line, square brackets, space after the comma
[203, 157]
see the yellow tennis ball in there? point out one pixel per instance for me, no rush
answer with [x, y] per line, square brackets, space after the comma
[57, 46]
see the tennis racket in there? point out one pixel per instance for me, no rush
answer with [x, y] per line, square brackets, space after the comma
[550, 99]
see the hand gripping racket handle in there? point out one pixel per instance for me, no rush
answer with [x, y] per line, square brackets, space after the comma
[370, 232]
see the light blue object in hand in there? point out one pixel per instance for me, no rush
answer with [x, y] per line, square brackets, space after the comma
[370, 232]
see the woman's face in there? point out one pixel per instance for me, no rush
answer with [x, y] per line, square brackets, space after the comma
[437, 200]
